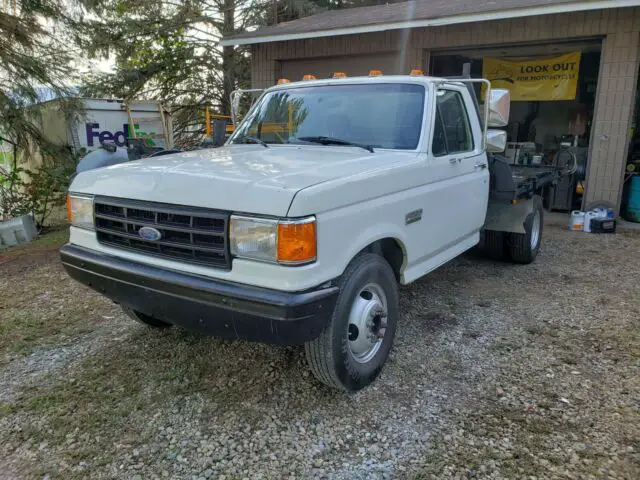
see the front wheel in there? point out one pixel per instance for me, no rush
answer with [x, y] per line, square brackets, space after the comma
[524, 247]
[350, 352]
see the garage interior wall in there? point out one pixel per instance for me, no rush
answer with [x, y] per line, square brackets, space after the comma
[554, 117]
[615, 98]
[545, 128]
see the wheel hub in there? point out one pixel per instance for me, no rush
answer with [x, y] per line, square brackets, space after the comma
[535, 230]
[367, 323]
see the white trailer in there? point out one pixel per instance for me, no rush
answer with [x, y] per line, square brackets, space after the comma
[103, 120]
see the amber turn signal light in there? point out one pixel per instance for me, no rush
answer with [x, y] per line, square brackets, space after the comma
[297, 242]
[68, 203]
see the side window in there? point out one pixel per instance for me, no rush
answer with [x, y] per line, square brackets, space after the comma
[439, 141]
[454, 123]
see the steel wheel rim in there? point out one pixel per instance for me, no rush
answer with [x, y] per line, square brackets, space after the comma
[535, 230]
[367, 323]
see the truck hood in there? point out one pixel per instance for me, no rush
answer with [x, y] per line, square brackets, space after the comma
[240, 178]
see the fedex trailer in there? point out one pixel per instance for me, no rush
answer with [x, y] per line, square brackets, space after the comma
[118, 122]
[83, 129]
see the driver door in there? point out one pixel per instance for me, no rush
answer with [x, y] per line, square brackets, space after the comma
[458, 169]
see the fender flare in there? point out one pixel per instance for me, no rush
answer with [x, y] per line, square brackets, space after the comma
[372, 235]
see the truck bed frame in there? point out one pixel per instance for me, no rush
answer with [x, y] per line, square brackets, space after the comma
[515, 182]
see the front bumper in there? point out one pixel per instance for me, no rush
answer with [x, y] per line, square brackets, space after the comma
[214, 307]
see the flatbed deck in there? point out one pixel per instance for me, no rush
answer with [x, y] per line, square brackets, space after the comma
[515, 182]
[530, 179]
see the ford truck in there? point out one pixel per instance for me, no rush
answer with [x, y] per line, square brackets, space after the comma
[300, 229]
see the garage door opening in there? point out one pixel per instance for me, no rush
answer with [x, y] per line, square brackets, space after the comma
[552, 109]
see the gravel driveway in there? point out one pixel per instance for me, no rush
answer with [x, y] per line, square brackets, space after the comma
[498, 371]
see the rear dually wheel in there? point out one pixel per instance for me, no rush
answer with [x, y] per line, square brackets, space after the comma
[524, 247]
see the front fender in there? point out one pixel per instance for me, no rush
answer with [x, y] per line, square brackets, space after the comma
[364, 238]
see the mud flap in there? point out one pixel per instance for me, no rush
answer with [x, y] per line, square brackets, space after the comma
[505, 217]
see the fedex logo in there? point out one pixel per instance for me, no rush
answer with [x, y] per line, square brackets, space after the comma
[119, 138]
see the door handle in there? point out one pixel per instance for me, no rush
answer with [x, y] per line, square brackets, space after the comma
[481, 165]
[453, 161]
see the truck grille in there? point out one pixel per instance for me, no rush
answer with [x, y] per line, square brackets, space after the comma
[187, 234]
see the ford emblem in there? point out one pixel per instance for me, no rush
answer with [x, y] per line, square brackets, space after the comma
[150, 234]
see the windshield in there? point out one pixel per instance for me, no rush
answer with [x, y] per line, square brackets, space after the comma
[382, 115]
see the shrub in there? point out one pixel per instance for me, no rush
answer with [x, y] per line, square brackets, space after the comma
[37, 191]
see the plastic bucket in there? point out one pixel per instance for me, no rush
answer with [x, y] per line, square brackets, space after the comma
[633, 202]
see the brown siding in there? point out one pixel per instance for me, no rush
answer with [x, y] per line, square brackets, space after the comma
[615, 98]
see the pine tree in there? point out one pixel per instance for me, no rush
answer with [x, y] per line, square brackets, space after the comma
[168, 50]
[35, 60]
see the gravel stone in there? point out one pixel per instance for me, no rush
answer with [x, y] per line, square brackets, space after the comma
[498, 371]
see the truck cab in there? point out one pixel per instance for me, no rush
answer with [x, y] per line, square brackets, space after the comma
[299, 230]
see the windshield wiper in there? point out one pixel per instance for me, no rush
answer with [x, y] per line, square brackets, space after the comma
[334, 141]
[249, 139]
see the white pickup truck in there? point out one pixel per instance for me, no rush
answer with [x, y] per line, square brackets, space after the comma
[328, 195]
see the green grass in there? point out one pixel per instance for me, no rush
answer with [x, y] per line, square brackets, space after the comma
[23, 330]
[40, 305]
[55, 238]
[114, 394]
[109, 397]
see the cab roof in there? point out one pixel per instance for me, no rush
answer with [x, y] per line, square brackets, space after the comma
[415, 79]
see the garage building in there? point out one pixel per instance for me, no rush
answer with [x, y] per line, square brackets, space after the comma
[580, 57]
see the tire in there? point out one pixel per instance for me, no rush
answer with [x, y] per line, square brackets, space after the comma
[524, 247]
[345, 355]
[145, 319]
[494, 245]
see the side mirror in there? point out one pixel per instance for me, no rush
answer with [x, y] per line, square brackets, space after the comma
[496, 141]
[499, 108]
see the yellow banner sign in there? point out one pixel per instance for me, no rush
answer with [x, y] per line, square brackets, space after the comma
[542, 79]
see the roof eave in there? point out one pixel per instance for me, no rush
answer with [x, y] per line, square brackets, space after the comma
[436, 22]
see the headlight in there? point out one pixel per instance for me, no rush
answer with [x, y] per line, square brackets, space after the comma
[80, 211]
[291, 242]
[253, 238]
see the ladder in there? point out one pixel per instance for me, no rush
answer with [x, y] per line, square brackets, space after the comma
[75, 139]
[160, 118]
